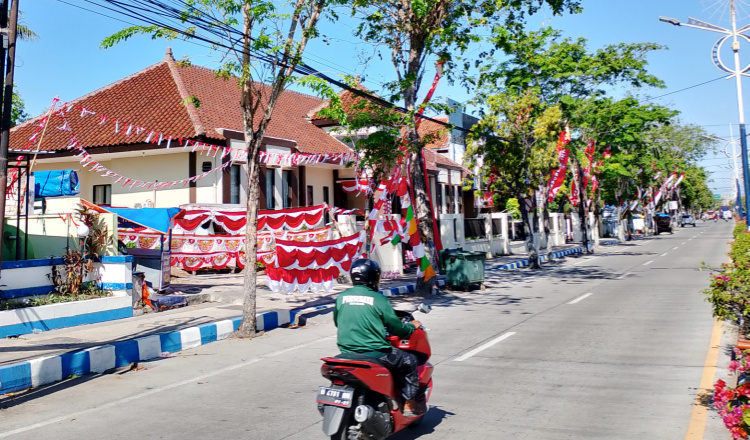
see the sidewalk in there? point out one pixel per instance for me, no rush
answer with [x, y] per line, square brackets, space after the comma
[34, 360]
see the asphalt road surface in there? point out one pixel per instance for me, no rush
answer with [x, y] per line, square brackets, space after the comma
[605, 346]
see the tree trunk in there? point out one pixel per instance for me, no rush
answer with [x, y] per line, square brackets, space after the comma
[532, 241]
[248, 324]
[424, 215]
[582, 211]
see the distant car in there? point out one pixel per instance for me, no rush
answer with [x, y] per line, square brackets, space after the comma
[687, 219]
[663, 223]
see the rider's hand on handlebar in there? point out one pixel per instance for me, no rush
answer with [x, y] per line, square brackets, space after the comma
[416, 324]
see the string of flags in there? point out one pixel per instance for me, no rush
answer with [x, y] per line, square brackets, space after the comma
[156, 137]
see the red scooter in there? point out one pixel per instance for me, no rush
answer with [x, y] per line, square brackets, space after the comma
[363, 402]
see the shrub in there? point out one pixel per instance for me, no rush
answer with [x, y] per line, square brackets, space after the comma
[729, 291]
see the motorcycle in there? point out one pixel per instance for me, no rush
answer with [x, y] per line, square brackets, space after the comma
[363, 402]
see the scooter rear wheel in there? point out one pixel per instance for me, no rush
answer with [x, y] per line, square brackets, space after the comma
[348, 431]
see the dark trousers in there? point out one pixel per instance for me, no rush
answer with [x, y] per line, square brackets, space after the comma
[403, 365]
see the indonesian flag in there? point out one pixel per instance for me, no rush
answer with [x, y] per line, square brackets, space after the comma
[351, 186]
[657, 197]
[557, 177]
[670, 180]
[573, 193]
[555, 183]
[607, 152]
[679, 180]
[590, 149]
[658, 174]
[564, 138]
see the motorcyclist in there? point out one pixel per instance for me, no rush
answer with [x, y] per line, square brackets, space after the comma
[362, 316]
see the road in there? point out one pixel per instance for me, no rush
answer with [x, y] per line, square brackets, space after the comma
[605, 346]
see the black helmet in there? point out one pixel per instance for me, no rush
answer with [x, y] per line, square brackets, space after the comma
[366, 272]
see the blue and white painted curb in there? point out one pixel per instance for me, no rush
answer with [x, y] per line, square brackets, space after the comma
[554, 255]
[409, 288]
[45, 370]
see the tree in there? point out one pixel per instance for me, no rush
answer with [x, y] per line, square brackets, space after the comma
[515, 139]
[566, 75]
[268, 47]
[419, 32]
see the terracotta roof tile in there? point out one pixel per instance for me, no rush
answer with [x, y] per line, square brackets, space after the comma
[154, 98]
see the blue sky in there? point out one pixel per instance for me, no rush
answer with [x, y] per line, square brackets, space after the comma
[67, 62]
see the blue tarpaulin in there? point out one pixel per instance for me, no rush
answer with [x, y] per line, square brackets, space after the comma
[158, 219]
[56, 183]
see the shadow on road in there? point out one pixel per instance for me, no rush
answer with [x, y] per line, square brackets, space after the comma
[430, 421]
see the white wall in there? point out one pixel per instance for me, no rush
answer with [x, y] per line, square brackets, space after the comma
[164, 167]
[318, 178]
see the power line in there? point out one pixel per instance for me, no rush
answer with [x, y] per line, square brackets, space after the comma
[686, 88]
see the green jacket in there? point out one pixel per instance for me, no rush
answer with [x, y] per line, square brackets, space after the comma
[362, 317]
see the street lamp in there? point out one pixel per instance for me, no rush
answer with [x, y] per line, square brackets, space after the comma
[737, 72]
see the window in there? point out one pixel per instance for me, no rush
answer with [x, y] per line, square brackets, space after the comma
[103, 194]
[270, 184]
[309, 195]
[449, 198]
[286, 188]
[439, 193]
[234, 184]
[326, 199]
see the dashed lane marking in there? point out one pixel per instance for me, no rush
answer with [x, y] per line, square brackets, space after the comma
[484, 347]
[581, 298]
[664, 254]
[648, 262]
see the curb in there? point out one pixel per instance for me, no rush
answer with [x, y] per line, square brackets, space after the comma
[45, 370]
[49, 369]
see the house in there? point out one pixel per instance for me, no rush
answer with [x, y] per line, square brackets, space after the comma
[172, 134]
[444, 151]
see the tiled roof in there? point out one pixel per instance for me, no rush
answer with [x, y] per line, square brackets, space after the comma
[434, 161]
[439, 134]
[155, 98]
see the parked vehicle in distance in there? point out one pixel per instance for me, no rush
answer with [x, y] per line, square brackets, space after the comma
[687, 219]
[663, 223]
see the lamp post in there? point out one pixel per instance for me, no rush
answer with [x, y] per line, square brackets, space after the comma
[737, 73]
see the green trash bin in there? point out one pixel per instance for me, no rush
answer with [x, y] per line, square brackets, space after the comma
[463, 268]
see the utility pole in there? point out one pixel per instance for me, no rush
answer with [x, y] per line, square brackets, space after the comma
[737, 73]
[8, 38]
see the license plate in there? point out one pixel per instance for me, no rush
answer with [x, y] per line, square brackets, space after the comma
[336, 396]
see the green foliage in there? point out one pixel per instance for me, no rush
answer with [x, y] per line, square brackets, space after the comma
[192, 99]
[18, 111]
[513, 208]
[729, 291]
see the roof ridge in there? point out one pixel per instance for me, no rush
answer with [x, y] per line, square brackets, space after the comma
[182, 89]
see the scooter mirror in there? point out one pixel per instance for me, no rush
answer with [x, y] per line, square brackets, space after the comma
[424, 308]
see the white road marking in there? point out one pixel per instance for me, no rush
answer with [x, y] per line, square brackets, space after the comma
[664, 254]
[484, 347]
[676, 247]
[119, 403]
[581, 298]
[623, 275]
[648, 262]
[684, 242]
